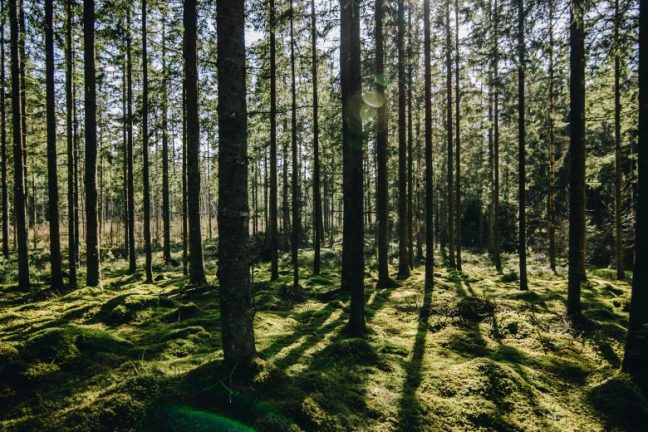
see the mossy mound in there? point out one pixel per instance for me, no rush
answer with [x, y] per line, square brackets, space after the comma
[620, 404]
[352, 351]
[473, 309]
[182, 312]
[114, 413]
[125, 308]
[62, 344]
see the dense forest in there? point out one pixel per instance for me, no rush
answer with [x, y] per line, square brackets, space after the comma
[317, 215]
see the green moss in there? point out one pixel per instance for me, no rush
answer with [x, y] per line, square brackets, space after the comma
[354, 351]
[620, 404]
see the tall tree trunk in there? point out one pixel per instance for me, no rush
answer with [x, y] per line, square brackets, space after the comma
[352, 150]
[458, 213]
[294, 238]
[382, 188]
[196, 269]
[497, 257]
[551, 196]
[3, 139]
[521, 148]
[576, 273]
[52, 175]
[403, 258]
[274, 241]
[145, 155]
[184, 179]
[166, 205]
[317, 196]
[618, 176]
[284, 199]
[132, 253]
[636, 349]
[92, 243]
[236, 307]
[19, 172]
[429, 174]
[450, 168]
[410, 142]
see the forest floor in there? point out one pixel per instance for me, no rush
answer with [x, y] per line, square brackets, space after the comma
[475, 354]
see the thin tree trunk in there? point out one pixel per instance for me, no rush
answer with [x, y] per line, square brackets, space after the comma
[618, 176]
[429, 174]
[166, 205]
[353, 234]
[576, 273]
[497, 257]
[403, 258]
[382, 188]
[551, 196]
[184, 180]
[132, 253]
[196, 269]
[458, 214]
[145, 155]
[236, 307]
[317, 196]
[19, 172]
[410, 142]
[294, 238]
[52, 175]
[274, 243]
[450, 168]
[636, 350]
[522, 148]
[3, 139]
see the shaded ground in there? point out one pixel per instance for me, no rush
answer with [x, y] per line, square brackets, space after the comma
[473, 354]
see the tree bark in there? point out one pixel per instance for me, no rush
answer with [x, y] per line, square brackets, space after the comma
[636, 350]
[458, 213]
[352, 150]
[19, 171]
[317, 196]
[166, 205]
[522, 148]
[196, 269]
[52, 174]
[618, 175]
[3, 139]
[236, 307]
[274, 241]
[450, 168]
[132, 252]
[497, 256]
[294, 237]
[403, 256]
[429, 174]
[551, 196]
[382, 155]
[576, 273]
[145, 155]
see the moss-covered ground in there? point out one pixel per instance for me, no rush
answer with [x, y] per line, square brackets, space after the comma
[475, 353]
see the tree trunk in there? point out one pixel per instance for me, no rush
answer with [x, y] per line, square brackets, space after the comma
[636, 349]
[451, 191]
[3, 139]
[294, 237]
[19, 171]
[429, 174]
[236, 307]
[145, 155]
[352, 181]
[196, 269]
[551, 196]
[410, 143]
[521, 148]
[497, 257]
[458, 213]
[618, 175]
[52, 175]
[317, 197]
[166, 205]
[576, 160]
[184, 179]
[92, 243]
[403, 258]
[132, 253]
[382, 188]
[274, 241]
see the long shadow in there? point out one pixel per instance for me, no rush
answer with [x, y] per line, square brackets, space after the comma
[410, 408]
